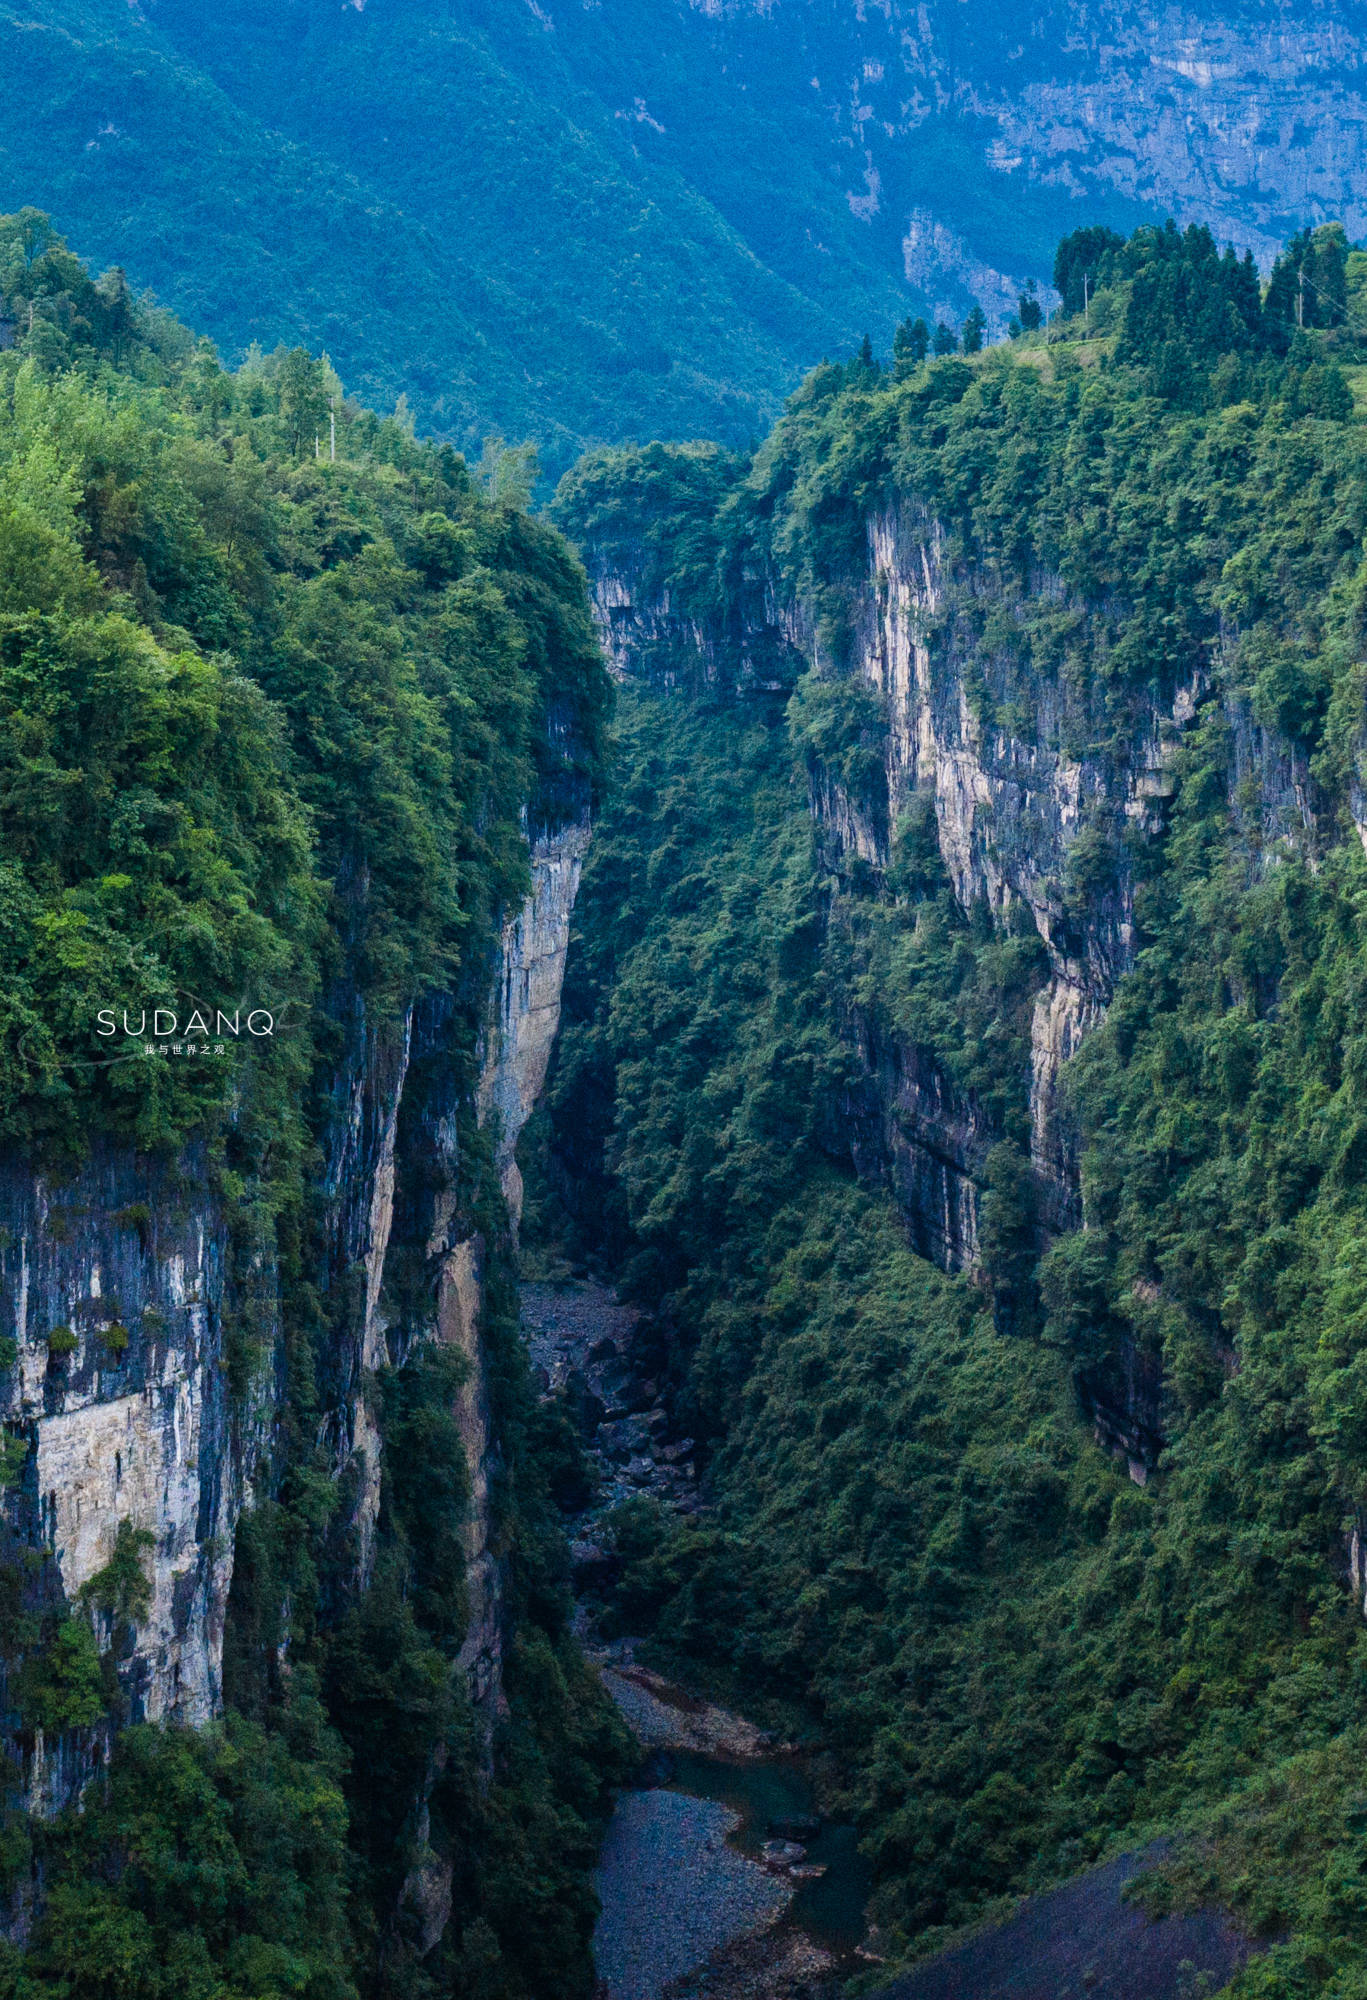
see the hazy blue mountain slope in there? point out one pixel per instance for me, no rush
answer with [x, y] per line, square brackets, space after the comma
[595, 219]
[629, 301]
[491, 244]
[158, 170]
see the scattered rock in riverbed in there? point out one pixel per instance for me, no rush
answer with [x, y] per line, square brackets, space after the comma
[622, 1439]
[773, 1965]
[581, 1343]
[673, 1893]
[592, 1565]
[662, 1722]
[674, 1896]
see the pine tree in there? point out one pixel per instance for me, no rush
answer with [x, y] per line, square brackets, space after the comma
[975, 326]
[1082, 262]
[910, 345]
[864, 369]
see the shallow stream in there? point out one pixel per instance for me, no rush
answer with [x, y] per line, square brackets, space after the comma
[831, 1909]
[681, 1876]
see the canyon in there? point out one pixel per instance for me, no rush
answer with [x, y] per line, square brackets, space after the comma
[939, 1031]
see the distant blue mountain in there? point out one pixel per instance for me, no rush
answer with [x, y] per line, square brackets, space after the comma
[584, 222]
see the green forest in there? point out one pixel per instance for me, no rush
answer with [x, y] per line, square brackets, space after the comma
[357, 181]
[920, 1553]
[275, 693]
[286, 693]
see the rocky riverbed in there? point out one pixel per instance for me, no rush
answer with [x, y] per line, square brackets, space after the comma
[704, 1897]
[582, 1346]
[673, 1893]
[718, 1880]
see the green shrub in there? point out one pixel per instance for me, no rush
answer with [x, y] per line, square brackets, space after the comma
[123, 1589]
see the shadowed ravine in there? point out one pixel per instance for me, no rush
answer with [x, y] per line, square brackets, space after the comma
[692, 1907]
[682, 1876]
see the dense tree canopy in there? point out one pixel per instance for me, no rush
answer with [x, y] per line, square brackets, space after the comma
[282, 693]
[921, 1552]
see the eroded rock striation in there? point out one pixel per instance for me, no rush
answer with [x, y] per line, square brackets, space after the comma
[1039, 806]
[124, 1288]
[115, 1284]
[1044, 791]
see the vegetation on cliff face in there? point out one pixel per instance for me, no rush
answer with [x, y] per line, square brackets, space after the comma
[272, 724]
[918, 1548]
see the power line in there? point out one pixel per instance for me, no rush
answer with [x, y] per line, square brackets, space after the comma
[1348, 320]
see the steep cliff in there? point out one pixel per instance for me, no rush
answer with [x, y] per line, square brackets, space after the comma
[994, 707]
[1011, 799]
[117, 1283]
[1044, 802]
[1009, 804]
[1020, 933]
[280, 994]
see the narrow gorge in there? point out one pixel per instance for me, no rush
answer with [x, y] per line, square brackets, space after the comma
[727, 1115]
[958, 1073]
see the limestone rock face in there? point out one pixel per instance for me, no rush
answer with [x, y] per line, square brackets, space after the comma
[757, 645]
[632, 630]
[1010, 803]
[526, 1010]
[1040, 804]
[1250, 120]
[1241, 119]
[358, 1188]
[112, 1287]
[524, 1018]
[117, 1287]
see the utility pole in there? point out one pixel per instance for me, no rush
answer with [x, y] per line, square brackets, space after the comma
[1087, 305]
[1300, 295]
[332, 427]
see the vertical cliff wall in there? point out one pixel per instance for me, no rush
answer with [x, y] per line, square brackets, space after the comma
[1034, 825]
[980, 704]
[358, 1193]
[114, 1290]
[524, 1015]
[1011, 799]
[119, 1287]
[526, 1001]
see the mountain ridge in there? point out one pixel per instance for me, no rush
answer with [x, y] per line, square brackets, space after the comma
[640, 218]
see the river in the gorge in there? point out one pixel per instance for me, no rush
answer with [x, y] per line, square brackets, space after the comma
[684, 1881]
[693, 1907]
[691, 1902]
